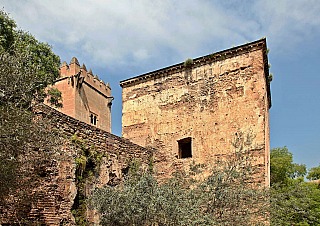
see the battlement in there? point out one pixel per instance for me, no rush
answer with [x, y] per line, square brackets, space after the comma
[84, 96]
[73, 70]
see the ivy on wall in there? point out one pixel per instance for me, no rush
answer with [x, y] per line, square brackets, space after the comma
[88, 163]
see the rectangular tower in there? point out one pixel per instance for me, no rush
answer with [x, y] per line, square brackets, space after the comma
[193, 111]
[84, 96]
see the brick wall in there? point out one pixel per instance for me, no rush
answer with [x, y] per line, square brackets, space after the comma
[84, 94]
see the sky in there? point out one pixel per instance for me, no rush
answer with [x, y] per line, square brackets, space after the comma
[123, 39]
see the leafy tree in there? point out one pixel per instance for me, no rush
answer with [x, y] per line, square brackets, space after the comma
[230, 195]
[314, 173]
[27, 67]
[282, 167]
[293, 202]
[40, 65]
[296, 204]
[7, 26]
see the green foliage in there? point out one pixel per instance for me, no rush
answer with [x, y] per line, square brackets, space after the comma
[27, 67]
[7, 26]
[81, 163]
[314, 173]
[314, 196]
[86, 155]
[270, 77]
[293, 202]
[267, 51]
[151, 165]
[188, 62]
[282, 168]
[37, 67]
[55, 97]
[88, 162]
[226, 197]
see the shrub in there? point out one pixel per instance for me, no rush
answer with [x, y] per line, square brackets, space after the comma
[188, 63]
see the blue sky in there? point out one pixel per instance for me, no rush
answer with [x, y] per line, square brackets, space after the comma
[122, 39]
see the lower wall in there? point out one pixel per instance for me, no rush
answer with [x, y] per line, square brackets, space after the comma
[62, 188]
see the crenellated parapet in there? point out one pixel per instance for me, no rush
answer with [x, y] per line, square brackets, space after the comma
[84, 96]
[76, 73]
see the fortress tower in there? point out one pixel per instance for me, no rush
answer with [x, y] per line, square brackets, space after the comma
[84, 96]
[193, 112]
[187, 112]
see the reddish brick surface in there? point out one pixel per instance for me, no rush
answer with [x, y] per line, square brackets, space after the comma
[84, 95]
[58, 188]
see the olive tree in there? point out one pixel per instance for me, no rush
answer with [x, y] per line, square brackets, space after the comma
[232, 194]
[293, 201]
[27, 68]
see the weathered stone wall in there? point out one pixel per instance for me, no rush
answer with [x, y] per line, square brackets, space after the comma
[218, 96]
[59, 187]
[118, 153]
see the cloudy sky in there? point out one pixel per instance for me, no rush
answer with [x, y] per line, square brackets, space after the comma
[122, 39]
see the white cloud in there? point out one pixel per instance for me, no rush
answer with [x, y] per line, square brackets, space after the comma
[141, 54]
[289, 22]
[113, 31]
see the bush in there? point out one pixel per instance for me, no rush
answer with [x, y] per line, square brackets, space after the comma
[230, 195]
[188, 63]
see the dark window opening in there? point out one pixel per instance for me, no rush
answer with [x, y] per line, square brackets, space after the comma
[185, 148]
[93, 119]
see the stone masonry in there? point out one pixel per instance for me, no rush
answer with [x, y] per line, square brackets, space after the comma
[193, 112]
[84, 96]
[58, 191]
[183, 113]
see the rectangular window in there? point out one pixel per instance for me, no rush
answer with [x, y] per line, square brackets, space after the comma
[93, 119]
[185, 148]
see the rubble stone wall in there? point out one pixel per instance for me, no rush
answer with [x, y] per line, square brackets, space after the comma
[59, 185]
[118, 153]
[210, 101]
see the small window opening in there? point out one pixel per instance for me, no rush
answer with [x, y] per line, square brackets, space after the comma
[93, 119]
[185, 148]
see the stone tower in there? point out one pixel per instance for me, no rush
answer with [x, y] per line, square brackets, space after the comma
[84, 96]
[193, 111]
